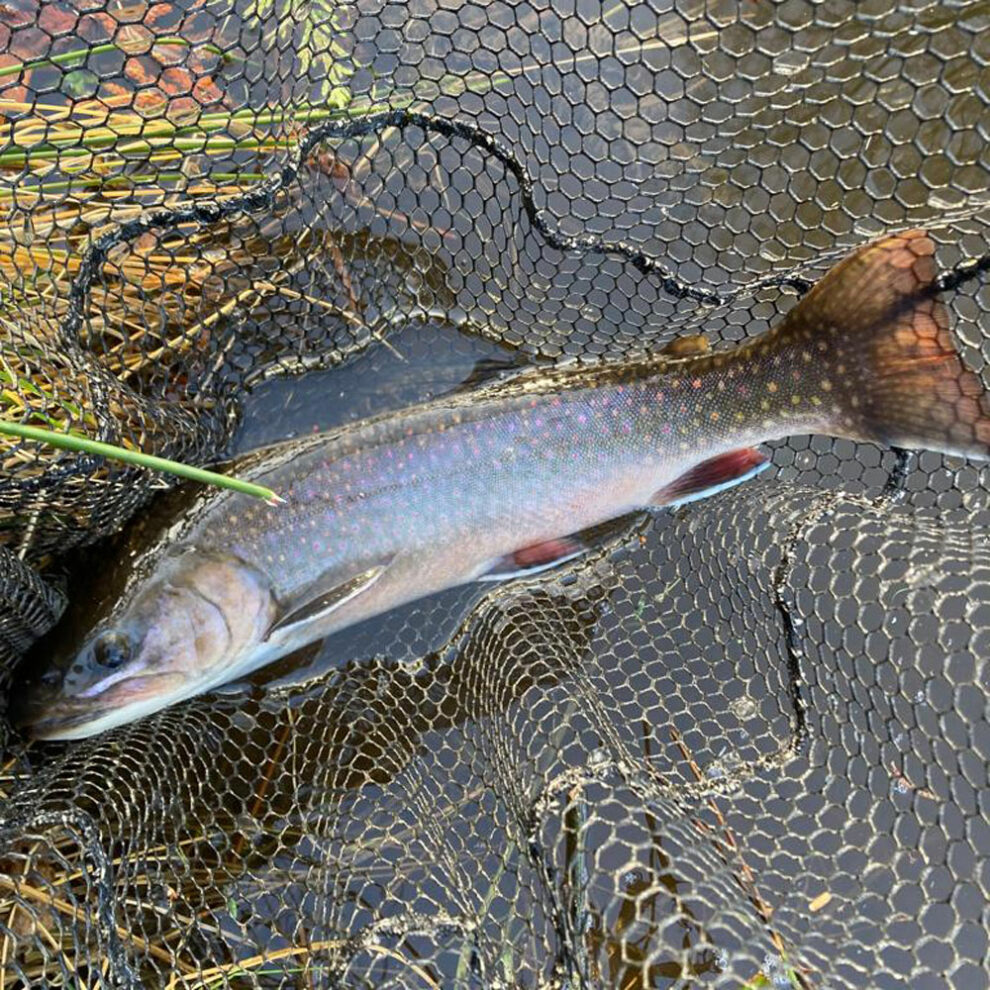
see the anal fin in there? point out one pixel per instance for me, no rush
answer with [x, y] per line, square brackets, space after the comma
[711, 476]
[533, 559]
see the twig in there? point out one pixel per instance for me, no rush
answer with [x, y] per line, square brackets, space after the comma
[69, 441]
[266, 778]
[731, 850]
[252, 962]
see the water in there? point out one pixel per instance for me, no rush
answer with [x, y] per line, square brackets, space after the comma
[730, 139]
[420, 361]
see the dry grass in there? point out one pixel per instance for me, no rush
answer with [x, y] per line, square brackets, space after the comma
[48, 919]
[69, 173]
[48, 912]
[108, 166]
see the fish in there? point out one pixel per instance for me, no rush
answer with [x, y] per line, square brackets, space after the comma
[495, 483]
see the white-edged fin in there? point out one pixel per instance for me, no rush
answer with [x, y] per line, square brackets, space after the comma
[711, 476]
[233, 689]
[533, 559]
[318, 601]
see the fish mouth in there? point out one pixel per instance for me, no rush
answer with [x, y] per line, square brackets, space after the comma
[59, 717]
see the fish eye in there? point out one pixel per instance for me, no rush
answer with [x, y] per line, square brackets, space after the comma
[112, 650]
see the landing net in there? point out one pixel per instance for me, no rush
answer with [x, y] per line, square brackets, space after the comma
[743, 744]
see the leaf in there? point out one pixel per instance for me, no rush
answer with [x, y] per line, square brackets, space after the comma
[320, 26]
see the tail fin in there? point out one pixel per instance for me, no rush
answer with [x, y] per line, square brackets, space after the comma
[898, 377]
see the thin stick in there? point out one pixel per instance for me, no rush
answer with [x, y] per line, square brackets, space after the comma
[69, 441]
[266, 779]
[246, 965]
[729, 848]
[7, 942]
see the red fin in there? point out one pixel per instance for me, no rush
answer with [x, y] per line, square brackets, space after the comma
[545, 553]
[534, 558]
[712, 476]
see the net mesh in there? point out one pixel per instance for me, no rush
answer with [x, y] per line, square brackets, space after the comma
[742, 744]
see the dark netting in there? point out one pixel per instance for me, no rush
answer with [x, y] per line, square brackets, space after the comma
[742, 744]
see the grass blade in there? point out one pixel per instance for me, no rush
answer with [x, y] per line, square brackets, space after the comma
[69, 441]
[81, 54]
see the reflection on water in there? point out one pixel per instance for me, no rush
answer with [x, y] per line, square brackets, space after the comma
[423, 359]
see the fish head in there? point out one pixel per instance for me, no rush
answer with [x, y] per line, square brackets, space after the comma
[188, 628]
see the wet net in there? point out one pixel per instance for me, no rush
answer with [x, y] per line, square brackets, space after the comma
[742, 744]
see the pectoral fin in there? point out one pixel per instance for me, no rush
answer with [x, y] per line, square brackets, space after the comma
[317, 601]
[711, 476]
[533, 559]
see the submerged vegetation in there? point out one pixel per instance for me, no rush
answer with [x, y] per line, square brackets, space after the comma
[74, 164]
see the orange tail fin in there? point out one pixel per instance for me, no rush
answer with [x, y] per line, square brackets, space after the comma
[898, 376]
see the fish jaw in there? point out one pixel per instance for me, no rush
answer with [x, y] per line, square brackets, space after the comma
[196, 625]
[125, 701]
[136, 697]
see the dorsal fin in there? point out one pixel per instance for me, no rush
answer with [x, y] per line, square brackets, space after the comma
[490, 370]
[691, 346]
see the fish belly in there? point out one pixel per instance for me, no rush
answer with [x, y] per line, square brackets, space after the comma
[436, 503]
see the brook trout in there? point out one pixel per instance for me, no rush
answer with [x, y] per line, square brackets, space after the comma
[495, 482]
